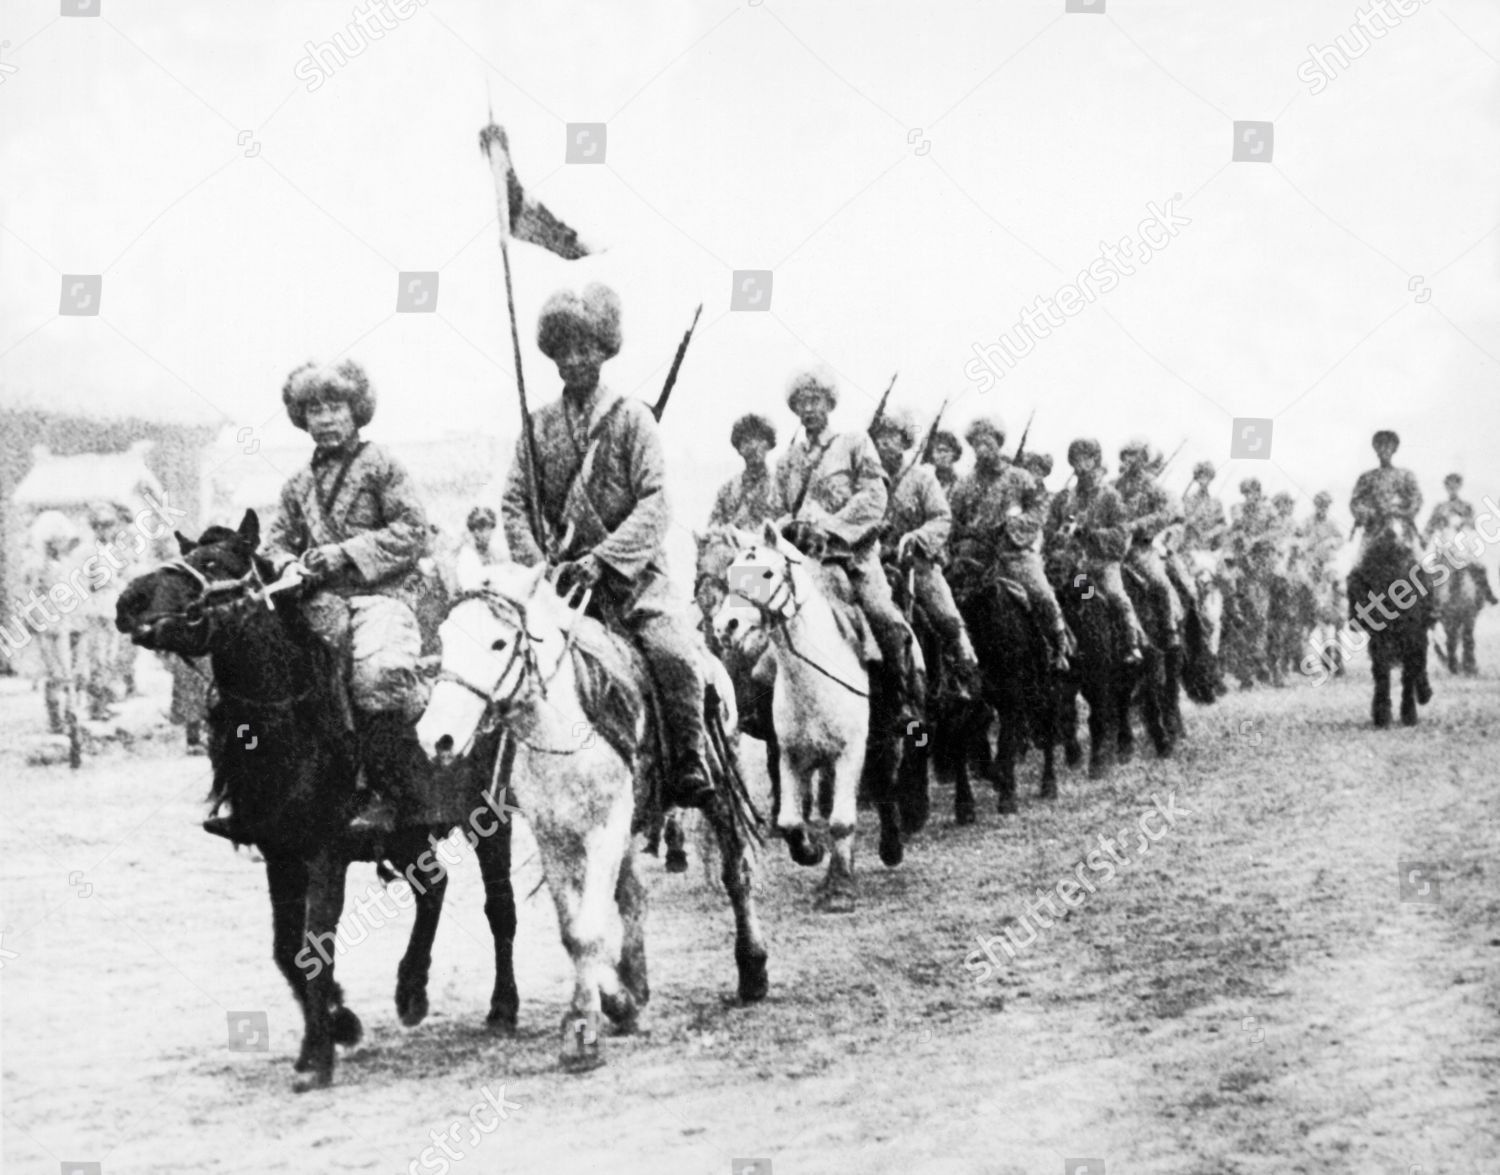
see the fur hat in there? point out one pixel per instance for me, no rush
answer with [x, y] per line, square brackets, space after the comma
[480, 515]
[1136, 445]
[1322, 498]
[1284, 501]
[1250, 483]
[985, 426]
[1205, 469]
[1085, 447]
[1039, 464]
[897, 420]
[596, 312]
[315, 381]
[1454, 479]
[1385, 434]
[817, 378]
[750, 425]
[945, 439]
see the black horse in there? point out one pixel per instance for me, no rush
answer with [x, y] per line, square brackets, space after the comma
[282, 759]
[1098, 671]
[1387, 574]
[1017, 683]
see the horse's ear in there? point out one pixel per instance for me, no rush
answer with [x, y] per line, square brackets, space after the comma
[185, 545]
[250, 529]
[699, 538]
[771, 535]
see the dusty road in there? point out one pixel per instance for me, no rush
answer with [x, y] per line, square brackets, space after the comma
[1249, 994]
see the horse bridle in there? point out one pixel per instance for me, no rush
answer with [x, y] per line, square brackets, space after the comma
[523, 650]
[777, 616]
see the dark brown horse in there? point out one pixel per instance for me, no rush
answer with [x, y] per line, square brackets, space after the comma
[1389, 579]
[1016, 680]
[284, 763]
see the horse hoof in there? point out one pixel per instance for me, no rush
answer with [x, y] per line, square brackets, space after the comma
[1049, 789]
[832, 901]
[892, 852]
[412, 1010]
[964, 814]
[1006, 804]
[346, 1028]
[805, 851]
[755, 984]
[677, 861]
[581, 1050]
[500, 1023]
[320, 1079]
[1072, 754]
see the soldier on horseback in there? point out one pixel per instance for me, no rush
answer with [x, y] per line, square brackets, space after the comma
[601, 484]
[1151, 511]
[997, 515]
[1251, 545]
[746, 500]
[352, 523]
[831, 494]
[945, 450]
[918, 522]
[1457, 515]
[1087, 526]
[1204, 524]
[1386, 495]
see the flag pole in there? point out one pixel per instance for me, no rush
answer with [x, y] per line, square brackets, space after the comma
[490, 134]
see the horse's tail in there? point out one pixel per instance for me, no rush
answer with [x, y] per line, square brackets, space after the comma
[748, 821]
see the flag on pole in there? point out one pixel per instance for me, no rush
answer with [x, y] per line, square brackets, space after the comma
[525, 218]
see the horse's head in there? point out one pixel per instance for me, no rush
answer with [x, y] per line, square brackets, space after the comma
[489, 657]
[760, 586]
[717, 548]
[175, 608]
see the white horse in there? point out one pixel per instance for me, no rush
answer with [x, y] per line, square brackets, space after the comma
[820, 701]
[507, 661]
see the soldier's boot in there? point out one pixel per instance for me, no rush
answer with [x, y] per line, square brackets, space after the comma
[962, 679]
[393, 795]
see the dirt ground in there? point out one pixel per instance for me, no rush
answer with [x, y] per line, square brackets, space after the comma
[1250, 995]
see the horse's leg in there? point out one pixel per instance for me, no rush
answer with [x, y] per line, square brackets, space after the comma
[837, 893]
[963, 787]
[676, 861]
[1068, 717]
[790, 822]
[630, 900]
[1470, 665]
[738, 873]
[411, 974]
[493, 852]
[326, 1018]
[1047, 721]
[287, 880]
[1408, 696]
[1012, 715]
[1380, 669]
[582, 862]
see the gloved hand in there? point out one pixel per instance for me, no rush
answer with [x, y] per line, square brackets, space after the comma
[325, 560]
[579, 574]
[807, 537]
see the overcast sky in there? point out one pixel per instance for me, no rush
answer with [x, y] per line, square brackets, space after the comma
[914, 176]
